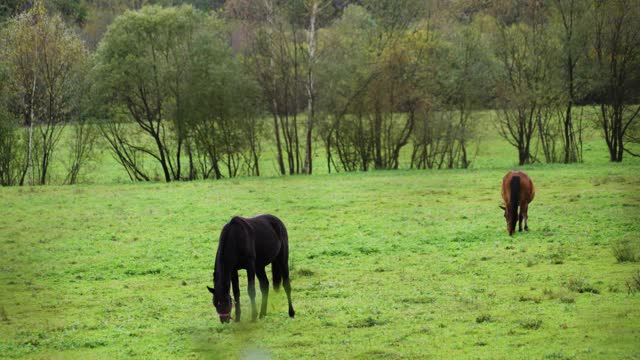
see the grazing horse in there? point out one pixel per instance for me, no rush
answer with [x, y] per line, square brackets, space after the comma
[517, 190]
[251, 244]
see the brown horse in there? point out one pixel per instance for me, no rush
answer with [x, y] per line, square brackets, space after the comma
[517, 190]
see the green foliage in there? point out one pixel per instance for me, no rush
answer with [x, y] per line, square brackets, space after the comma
[43, 59]
[9, 8]
[74, 11]
[172, 72]
[9, 137]
[10, 153]
[344, 69]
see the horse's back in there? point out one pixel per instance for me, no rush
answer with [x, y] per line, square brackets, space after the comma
[269, 235]
[527, 190]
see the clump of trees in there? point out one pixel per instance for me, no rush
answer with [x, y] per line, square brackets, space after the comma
[42, 61]
[185, 90]
[616, 43]
[171, 90]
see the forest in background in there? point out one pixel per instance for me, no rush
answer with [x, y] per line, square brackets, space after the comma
[202, 89]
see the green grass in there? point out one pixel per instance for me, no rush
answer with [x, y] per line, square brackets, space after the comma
[386, 264]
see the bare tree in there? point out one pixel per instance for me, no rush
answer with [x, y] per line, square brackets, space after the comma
[80, 148]
[617, 49]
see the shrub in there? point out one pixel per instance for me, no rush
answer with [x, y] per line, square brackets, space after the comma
[624, 251]
[484, 318]
[531, 324]
[579, 284]
[633, 285]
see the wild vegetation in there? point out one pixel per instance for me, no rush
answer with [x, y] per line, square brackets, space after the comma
[197, 90]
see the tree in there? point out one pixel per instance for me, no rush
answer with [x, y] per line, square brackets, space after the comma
[225, 121]
[571, 16]
[345, 71]
[276, 63]
[314, 10]
[632, 136]
[616, 43]
[376, 68]
[42, 56]
[522, 89]
[11, 156]
[170, 71]
[465, 79]
[73, 11]
[84, 134]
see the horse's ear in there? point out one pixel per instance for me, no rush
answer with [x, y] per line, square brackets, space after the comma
[502, 207]
[211, 290]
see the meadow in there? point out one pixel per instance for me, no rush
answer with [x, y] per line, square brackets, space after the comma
[384, 264]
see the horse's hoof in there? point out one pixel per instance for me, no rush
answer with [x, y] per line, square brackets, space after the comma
[292, 313]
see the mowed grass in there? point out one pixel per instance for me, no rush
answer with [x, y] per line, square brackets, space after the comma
[386, 264]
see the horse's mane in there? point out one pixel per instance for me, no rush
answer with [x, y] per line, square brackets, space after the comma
[227, 227]
[224, 238]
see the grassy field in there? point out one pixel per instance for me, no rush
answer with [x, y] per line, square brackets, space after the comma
[387, 264]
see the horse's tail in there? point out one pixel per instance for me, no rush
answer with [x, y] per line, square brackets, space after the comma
[515, 198]
[281, 263]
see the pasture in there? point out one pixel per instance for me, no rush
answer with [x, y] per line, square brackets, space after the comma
[386, 264]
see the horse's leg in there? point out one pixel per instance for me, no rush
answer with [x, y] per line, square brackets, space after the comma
[236, 293]
[520, 217]
[264, 289]
[287, 286]
[251, 279]
[524, 210]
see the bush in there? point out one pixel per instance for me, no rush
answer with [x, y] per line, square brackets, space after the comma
[625, 251]
[633, 285]
[531, 324]
[484, 318]
[579, 284]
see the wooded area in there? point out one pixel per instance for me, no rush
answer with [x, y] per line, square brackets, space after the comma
[204, 88]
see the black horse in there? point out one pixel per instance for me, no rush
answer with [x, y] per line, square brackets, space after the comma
[251, 244]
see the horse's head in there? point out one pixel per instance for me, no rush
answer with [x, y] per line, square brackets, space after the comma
[511, 222]
[222, 303]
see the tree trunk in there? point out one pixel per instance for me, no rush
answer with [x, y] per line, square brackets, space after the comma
[377, 136]
[278, 144]
[30, 167]
[308, 161]
[163, 158]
